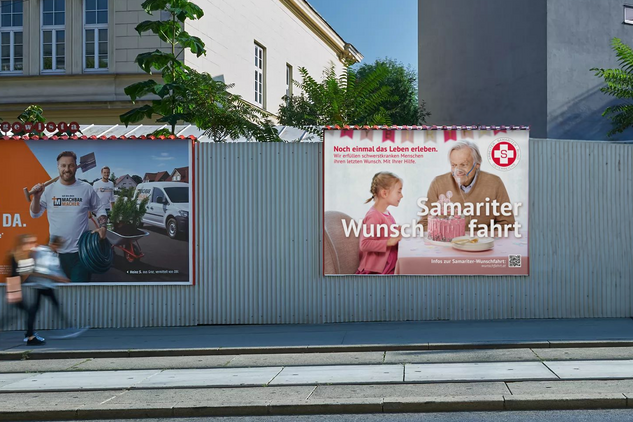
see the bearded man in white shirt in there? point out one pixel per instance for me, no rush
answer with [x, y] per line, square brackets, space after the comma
[105, 190]
[68, 202]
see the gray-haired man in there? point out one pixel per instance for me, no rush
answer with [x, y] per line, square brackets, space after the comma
[467, 183]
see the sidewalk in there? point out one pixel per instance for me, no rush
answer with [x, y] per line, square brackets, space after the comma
[243, 339]
[319, 369]
[242, 385]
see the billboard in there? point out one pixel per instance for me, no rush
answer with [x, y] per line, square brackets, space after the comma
[426, 201]
[86, 185]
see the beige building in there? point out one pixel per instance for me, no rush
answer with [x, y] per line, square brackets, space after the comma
[75, 57]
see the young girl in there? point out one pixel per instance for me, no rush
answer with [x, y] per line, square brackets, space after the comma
[379, 251]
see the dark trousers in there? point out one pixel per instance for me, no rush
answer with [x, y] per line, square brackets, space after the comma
[8, 317]
[50, 294]
[74, 269]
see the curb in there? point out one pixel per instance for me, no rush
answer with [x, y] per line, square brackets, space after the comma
[23, 353]
[341, 406]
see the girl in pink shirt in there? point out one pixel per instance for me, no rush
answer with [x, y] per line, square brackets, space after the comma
[378, 247]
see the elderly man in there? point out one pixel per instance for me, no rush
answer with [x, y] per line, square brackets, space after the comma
[473, 188]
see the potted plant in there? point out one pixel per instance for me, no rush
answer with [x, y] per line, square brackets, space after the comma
[127, 213]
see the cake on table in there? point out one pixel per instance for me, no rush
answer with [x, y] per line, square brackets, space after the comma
[444, 228]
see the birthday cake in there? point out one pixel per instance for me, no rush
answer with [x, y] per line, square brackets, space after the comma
[444, 228]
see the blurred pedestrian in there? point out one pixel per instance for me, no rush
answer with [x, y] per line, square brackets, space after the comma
[22, 265]
[46, 273]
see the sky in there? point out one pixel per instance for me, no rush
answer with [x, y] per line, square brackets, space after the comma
[377, 28]
[123, 157]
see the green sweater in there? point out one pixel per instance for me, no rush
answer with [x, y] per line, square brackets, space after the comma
[486, 186]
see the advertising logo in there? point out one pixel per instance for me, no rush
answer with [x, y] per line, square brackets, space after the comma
[504, 154]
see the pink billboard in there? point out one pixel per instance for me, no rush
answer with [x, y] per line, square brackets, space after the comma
[426, 201]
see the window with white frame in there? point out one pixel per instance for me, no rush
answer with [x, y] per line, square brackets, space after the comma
[259, 75]
[96, 34]
[288, 81]
[628, 14]
[11, 47]
[53, 35]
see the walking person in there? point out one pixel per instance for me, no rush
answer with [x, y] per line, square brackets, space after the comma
[47, 272]
[22, 264]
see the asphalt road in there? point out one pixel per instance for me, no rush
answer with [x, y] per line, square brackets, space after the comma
[617, 415]
[161, 254]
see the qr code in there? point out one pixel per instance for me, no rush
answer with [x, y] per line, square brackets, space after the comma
[514, 261]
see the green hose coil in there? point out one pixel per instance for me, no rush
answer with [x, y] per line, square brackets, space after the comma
[95, 254]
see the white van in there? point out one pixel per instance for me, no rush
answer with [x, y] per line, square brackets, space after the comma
[168, 206]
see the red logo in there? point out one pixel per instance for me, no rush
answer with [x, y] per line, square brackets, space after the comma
[504, 154]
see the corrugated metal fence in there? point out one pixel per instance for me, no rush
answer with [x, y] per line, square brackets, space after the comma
[258, 252]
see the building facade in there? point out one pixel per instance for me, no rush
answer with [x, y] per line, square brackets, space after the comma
[75, 57]
[523, 62]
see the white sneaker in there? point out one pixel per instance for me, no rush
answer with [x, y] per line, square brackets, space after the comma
[37, 336]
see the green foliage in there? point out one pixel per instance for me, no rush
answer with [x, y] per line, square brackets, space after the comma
[619, 84]
[161, 132]
[32, 114]
[338, 100]
[128, 209]
[221, 114]
[187, 95]
[174, 72]
[138, 179]
[403, 108]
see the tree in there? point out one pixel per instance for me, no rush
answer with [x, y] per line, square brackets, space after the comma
[187, 95]
[619, 84]
[222, 114]
[404, 108]
[173, 69]
[338, 100]
[31, 114]
[138, 179]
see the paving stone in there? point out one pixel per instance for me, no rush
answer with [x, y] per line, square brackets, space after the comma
[329, 406]
[600, 369]
[171, 362]
[561, 401]
[46, 365]
[299, 375]
[304, 359]
[73, 381]
[476, 371]
[410, 390]
[191, 396]
[443, 404]
[54, 400]
[8, 379]
[585, 353]
[569, 387]
[439, 356]
[211, 377]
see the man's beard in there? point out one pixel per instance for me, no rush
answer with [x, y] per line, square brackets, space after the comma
[67, 176]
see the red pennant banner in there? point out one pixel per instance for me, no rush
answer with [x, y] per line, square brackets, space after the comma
[389, 136]
[349, 133]
[496, 132]
[450, 135]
